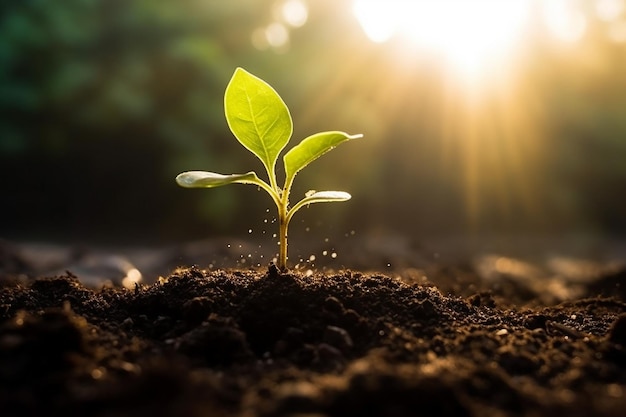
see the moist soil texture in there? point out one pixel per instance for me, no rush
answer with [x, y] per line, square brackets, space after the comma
[260, 343]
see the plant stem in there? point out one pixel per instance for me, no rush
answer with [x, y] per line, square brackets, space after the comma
[283, 224]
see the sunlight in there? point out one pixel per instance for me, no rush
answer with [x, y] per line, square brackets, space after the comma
[377, 19]
[467, 34]
[564, 19]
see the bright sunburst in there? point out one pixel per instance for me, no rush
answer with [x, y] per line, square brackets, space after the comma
[483, 128]
[467, 34]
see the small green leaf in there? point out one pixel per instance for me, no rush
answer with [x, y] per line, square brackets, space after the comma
[203, 179]
[318, 197]
[325, 197]
[312, 148]
[258, 117]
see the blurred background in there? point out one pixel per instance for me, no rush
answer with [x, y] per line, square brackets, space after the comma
[503, 118]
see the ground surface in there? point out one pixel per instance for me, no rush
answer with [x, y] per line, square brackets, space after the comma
[445, 340]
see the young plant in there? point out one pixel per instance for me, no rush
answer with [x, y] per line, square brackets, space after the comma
[261, 122]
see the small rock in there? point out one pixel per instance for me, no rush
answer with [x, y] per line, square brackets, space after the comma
[329, 357]
[338, 337]
[272, 270]
[333, 305]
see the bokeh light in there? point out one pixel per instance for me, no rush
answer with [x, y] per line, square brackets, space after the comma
[294, 12]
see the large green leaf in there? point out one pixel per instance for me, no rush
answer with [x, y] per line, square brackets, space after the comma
[312, 148]
[258, 117]
[203, 179]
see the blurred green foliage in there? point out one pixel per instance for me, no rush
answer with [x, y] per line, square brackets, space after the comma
[102, 103]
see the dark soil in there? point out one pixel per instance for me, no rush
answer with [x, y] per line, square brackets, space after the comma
[258, 343]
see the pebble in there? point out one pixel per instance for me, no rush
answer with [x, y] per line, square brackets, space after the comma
[338, 337]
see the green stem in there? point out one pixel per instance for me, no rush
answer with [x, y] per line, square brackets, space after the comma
[283, 225]
[282, 203]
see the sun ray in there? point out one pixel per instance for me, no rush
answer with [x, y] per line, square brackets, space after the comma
[489, 139]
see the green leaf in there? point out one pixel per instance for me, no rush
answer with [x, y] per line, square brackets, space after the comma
[258, 117]
[325, 197]
[203, 179]
[319, 197]
[312, 148]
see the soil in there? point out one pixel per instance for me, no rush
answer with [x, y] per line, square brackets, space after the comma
[256, 342]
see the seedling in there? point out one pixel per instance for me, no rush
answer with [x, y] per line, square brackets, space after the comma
[261, 122]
